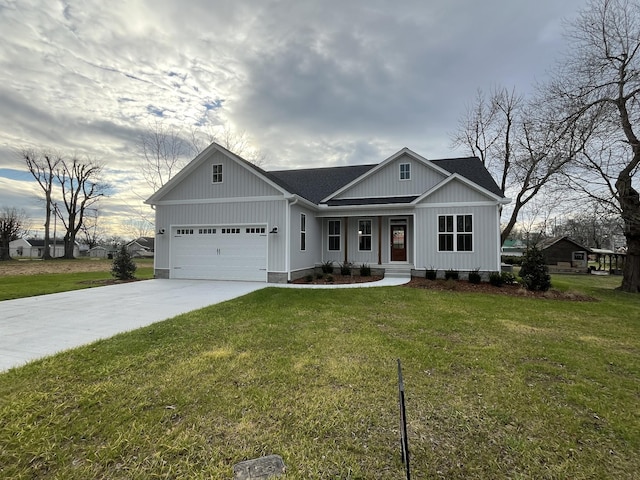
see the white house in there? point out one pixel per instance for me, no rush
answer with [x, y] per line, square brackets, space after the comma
[224, 218]
[141, 247]
[34, 248]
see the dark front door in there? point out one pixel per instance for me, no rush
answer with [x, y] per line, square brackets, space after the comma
[398, 243]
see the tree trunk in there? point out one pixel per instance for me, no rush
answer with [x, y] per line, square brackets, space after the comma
[630, 206]
[4, 249]
[69, 244]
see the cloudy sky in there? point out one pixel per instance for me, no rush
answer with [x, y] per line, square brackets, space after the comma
[311, 83]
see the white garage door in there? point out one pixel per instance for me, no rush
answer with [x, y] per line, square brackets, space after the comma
[219, 253]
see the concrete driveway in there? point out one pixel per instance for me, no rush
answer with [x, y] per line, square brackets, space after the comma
[35, 327]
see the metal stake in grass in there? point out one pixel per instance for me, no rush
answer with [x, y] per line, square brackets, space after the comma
[404, 441]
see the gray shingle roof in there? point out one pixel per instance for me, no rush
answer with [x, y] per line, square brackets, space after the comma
[314, 184]
[472, 169]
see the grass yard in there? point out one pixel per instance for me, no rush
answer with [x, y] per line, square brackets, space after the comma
[496, 387]
[26, 278]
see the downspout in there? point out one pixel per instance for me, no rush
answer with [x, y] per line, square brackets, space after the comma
[287, 260]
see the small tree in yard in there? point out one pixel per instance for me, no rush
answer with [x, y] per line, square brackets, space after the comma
[534, 271]
[123, 267]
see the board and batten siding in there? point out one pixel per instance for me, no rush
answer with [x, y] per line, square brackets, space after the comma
[226, 213]
[486, 239]
[386, 181]
[457, 192]
[313, 252]
[237, 181]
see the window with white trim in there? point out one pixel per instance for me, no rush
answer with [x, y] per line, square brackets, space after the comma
[334, 235]
[405, 171]
[455, 233]
[364, 235]
[303, 232]
[217, 173]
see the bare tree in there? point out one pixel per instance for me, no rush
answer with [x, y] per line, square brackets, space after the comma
[165, 149]
[164, 152]
[80, 187]
[43, 166]
[13, 224]
[517, 144]
[600, 81]
[91, 229]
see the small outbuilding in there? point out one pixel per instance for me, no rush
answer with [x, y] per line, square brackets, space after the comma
[563, 252]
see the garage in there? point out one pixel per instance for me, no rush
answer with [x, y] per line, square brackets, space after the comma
[228, 252]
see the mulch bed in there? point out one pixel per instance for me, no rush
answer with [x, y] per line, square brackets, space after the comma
[485, 287]
[338, 280]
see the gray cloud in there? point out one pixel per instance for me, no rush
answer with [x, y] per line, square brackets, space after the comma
[311, 83]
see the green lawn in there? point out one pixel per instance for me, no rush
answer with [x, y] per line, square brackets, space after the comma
[496, 387]
[18, 286]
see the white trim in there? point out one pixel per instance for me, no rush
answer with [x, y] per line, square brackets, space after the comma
[400, 171]
[455, 233]
[221, 173]
[339, 220]
[370, 234]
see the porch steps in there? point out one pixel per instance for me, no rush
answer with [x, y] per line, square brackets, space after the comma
[397, 272]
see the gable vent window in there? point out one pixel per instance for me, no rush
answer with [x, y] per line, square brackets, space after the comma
[405, 171]
[455, 233]
[217, 173]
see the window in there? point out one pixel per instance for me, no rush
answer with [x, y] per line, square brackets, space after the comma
[217, 173]
[455, 233]
[405, 171]
[303, 232]
[364, 235]
[334, 234]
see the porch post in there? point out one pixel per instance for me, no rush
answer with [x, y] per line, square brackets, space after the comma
[379, 240]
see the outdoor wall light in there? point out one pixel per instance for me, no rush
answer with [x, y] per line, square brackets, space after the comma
[161, 231]
[274, 230]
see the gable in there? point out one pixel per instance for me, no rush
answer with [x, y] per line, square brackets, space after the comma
[455, 191]
[239, 179]
[386, 182]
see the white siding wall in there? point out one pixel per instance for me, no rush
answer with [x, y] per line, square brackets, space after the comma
[313, 253]
[251, 212]
[456, 192]
[386, 181]
[486, 239]
[237, 181]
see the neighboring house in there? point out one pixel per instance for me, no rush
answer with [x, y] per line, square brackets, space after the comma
[513, 248]
[141, 247]
[34, 248]
[222, 217]
[563, 251]
[98, 252]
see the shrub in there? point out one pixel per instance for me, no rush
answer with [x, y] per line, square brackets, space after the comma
[345, 268]
[329, 278]
[365, 270]
[431, 274]
[319, 275]
[123, 267]
[508, 278]
[308, 278]
[495, 279]
[474, 276]
[327, 267]
[534, 272]
[451, 275]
